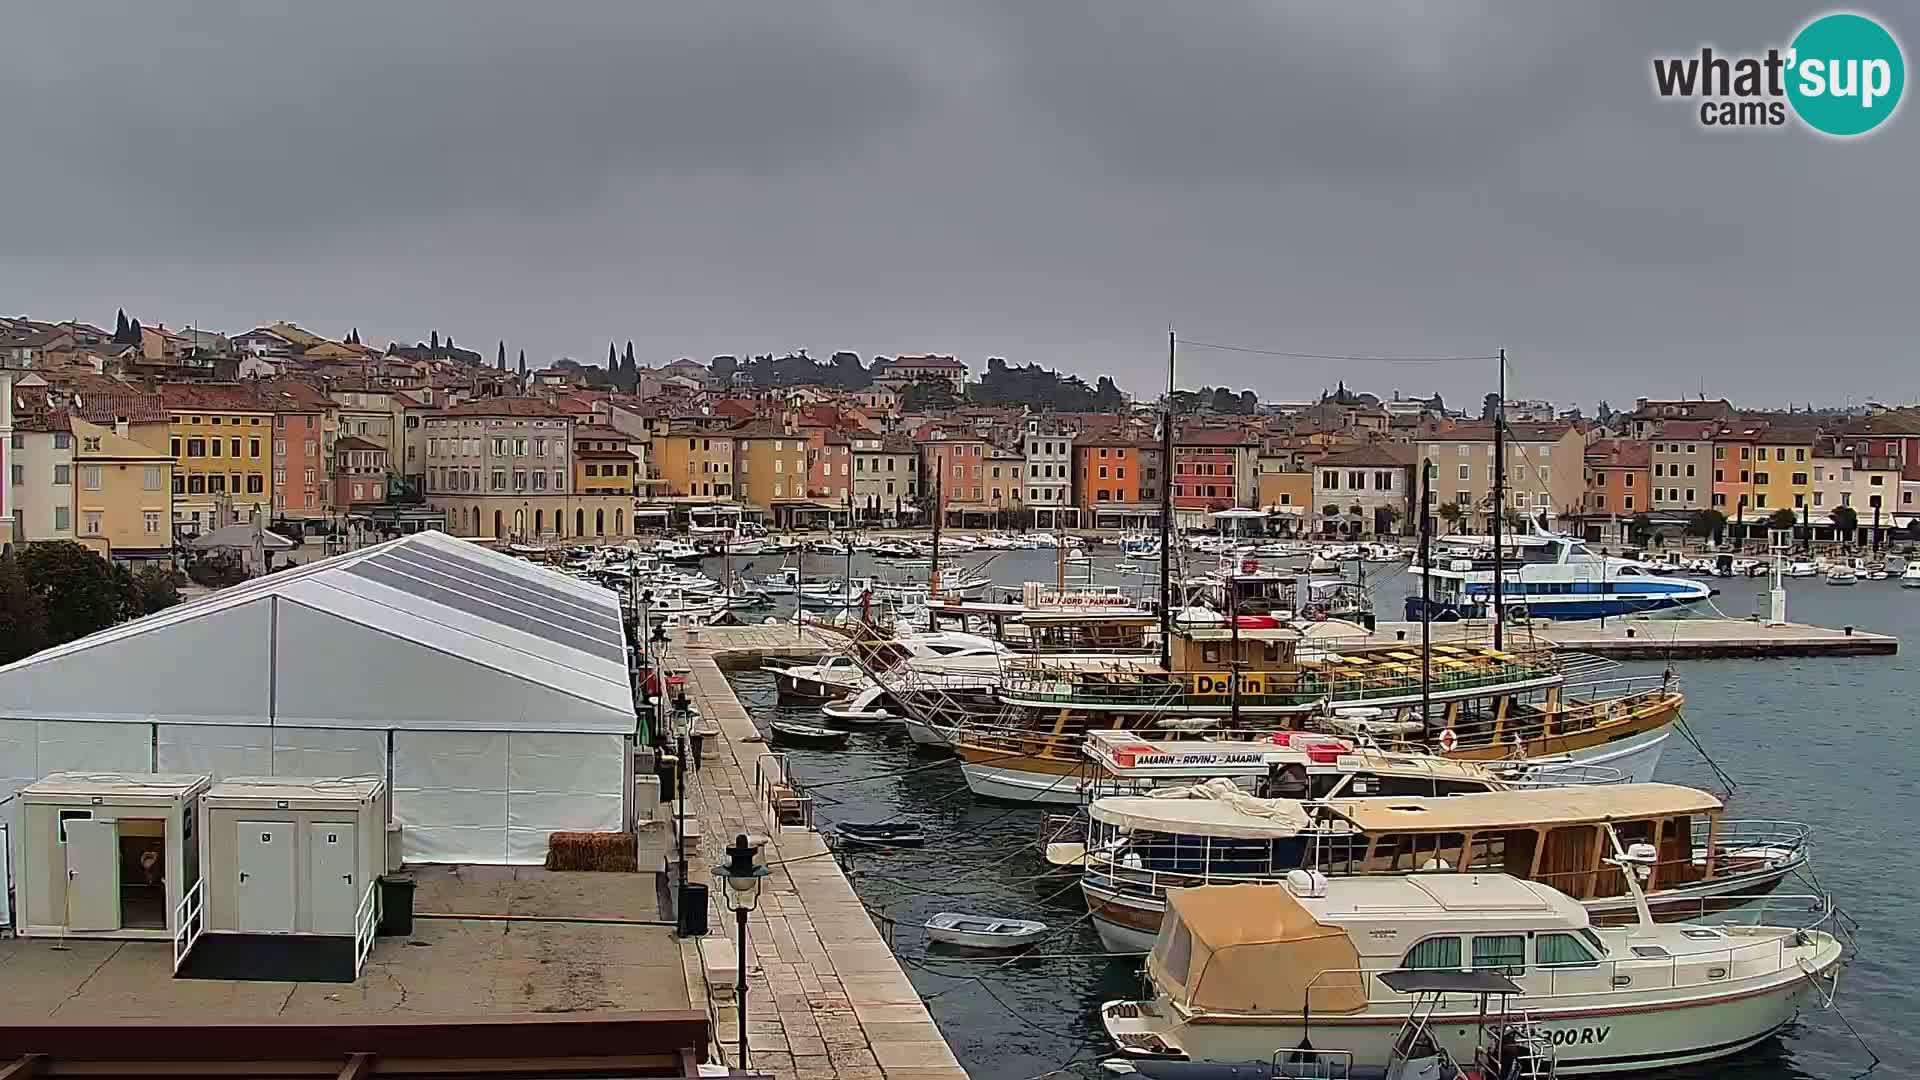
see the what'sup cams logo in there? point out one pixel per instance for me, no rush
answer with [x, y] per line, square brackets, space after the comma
[1842, 76]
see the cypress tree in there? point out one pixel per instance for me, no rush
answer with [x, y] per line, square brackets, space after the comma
[120, 326]
[435, 341]
[523, 363]
[501, 362]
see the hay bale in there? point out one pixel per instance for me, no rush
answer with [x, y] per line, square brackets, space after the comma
[608, 852]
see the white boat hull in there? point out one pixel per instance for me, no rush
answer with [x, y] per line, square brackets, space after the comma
[1651, 1034]
[926, 736]
[1635, 758]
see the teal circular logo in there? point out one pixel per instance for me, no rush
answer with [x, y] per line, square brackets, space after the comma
[1845, 75]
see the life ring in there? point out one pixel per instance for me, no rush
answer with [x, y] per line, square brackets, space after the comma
[1448, 741]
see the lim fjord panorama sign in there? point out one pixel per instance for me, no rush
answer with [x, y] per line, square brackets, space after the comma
[1841, 76]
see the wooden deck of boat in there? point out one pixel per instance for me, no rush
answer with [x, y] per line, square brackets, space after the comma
[1662, 639]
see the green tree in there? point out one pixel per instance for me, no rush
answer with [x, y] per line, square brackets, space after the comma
[23, 612]
[157, 587]
[1706, 523]
[1846, 521]
[928, 395]
[79, 589]
[1452, 515]
[120, 327]
[1638, 528]
[523, 364]
[1782, 519]
[434, 342]
[500, 358]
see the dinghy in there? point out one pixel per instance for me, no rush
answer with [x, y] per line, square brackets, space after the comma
[882, 833]
[788, 733]
[983, 931]
[844, 713]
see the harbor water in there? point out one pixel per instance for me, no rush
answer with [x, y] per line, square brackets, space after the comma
[1821, 741]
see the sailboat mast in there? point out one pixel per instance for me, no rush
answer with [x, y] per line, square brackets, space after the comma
[939, 512]
[1166, 516]
[1426, 593]
[1499, 498]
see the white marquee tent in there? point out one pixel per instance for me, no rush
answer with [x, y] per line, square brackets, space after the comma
[491, 694]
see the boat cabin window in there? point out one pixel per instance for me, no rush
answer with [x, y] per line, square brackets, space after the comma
[1419, 851]
[1210, 653]
[1502, 852]
[1433, 954]
[1374, 784]
[1504, 953]
[1562, 950]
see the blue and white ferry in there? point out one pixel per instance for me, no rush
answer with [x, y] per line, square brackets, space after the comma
[1547, 576]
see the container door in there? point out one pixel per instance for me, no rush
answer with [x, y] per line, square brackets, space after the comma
[330, 870]
[265, 886]
[93, 874]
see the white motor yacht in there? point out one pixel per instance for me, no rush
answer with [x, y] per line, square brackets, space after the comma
[1910, 577]
[1246, 973]
[676, 551]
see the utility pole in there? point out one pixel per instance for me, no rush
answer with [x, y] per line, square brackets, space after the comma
[1166, 516]
[1499, 498]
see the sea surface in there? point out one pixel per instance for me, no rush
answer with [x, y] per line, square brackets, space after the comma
[1828, 742]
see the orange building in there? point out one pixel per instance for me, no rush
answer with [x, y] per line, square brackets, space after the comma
[1619, 478]
[1106, 473]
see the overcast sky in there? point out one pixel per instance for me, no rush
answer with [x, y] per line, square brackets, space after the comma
[1050, 182]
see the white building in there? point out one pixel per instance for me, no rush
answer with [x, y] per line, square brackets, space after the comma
[1049, 479]
[492, 695]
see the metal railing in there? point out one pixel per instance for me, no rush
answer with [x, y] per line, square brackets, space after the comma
[189, 922]
[1592, 982]
[366, 920]
[1026, 682]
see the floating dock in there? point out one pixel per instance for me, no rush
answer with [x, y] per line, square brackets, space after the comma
[1666, 639]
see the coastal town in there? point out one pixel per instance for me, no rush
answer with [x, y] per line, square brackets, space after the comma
[1072, 541]
[137, 441]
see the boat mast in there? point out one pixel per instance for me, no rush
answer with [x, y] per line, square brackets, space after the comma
[1499, 495]
[1426, 593]
[939, 512]
[1166, 516]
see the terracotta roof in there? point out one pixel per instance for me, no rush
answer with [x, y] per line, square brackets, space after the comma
[211, 397]
[927, 362]
[293, 396]
[1688, 429]
[42, 420]
[355, 442]
[1620, 454]
[757, 429]
[1790, 436]
[1197, 436]
[506, 406]
[1481, 431]
[599, 431]
[1373, 456]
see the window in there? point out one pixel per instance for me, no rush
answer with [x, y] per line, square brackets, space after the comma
[90, 523]
[215, 445]
[1626, 502]
[1466, 472]
[1504, 953]
[90, 477]
[62, 519]
[1758, 478]
[309, 477]
[1874, 481]
[1433, 954]
[62, 440]
[1562, 950]
[196, 485]
[153, 523]
[196, 448]
[256, 484]
[63, 474]
[235, 444]
[151, 480]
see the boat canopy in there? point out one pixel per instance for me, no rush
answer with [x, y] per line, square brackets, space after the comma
[1252, 949]
[1215, 808]
[1423, 981]
[1526, 808]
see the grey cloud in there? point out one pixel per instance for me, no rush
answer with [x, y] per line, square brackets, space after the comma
[1051, 182]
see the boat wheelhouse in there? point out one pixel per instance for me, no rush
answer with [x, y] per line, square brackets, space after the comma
[1547, 577]
[1230, 681]
[1246, 973]
[1690, 856]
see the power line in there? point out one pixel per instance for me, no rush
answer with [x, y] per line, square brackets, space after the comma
[1334, 356]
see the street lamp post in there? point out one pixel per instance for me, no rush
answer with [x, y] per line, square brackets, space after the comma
[741, 876]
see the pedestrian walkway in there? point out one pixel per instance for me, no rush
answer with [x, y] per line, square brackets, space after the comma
[826, 996]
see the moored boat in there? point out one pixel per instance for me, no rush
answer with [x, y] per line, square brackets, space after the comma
[1244, 973]
[1138, 848]
[983, 931]
[788, 733]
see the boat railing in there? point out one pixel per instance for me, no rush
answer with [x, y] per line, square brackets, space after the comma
[1297, 1064]
[1028, 682]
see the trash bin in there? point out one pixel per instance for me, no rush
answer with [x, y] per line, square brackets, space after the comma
[396, 905]
[693, 909]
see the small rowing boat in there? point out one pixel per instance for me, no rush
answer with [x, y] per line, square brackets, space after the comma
[789, 733]
[882, 833]
[983, 931]
[844, 713]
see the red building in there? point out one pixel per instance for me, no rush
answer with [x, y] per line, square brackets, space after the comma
[359, 473]
[1215, 469]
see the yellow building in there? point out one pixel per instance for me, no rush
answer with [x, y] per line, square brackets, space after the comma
[222, 444]
[695, 460]
[769, 465]
[122, 495]
[1783, 469]
[603, 464]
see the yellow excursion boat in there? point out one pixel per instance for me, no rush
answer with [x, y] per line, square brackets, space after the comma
[1225, 682]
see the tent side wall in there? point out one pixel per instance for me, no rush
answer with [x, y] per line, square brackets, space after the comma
[492, 797]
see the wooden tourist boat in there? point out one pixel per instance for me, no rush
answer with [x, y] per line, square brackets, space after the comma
[1485, 704]
[1139, 847]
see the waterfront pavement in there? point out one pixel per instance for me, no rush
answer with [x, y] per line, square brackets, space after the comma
[826, 996]
[1660, 639]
